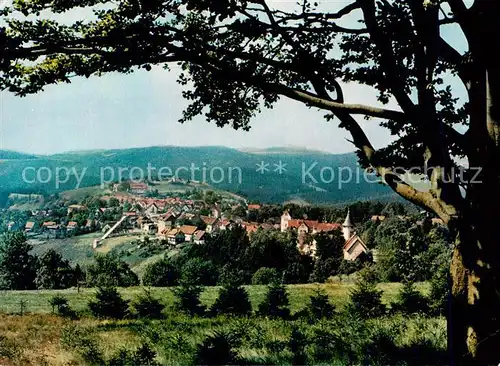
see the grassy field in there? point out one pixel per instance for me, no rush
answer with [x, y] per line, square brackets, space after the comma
[41, 338]
[37, 301]
[78, 249]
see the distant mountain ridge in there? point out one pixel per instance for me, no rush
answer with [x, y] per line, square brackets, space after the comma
[11, 155]
[273, 175]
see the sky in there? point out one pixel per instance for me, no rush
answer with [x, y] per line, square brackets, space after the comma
[142, 109]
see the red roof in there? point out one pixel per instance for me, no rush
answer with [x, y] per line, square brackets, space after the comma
[208, 220]
[188, 229]
[199, 235]
[138, 186]
[254, 207]
[352, 240]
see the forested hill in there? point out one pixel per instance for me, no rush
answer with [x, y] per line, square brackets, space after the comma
[272, 175]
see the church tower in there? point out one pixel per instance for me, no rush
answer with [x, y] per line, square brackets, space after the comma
[347, 227]
[284, 221]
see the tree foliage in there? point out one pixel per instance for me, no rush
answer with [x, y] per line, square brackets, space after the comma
[109, 270]
[53, 272]
[17, 265]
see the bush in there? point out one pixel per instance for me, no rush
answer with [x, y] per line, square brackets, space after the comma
[218, 349]
[144, 355]
[297, 345]
[109, 304]
[146, 306]
[161, 273]
[365, 299]
[188, 299]
[276, 303]
[320, 306]
[439, 293]
[265, 276]
[233, 299]
[410, 301]
[83, 342]
[63, 308]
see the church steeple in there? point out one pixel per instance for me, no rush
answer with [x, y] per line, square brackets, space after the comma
[348, 227]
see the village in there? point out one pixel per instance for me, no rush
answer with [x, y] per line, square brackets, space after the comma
[179, 219]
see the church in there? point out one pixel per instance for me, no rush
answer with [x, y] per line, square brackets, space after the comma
[353, 247]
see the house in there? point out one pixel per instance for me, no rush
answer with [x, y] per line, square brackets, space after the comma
[253, 208]
[138, 188]
[250, 229]
[50, 225]
[199, 237]
[377, 218]
[30, 225]
[149, 228]
[175, 236]
[10, 225]
[304, 226]
[105, 228]
[210, 222]
[226, 224]
[163, 226]
[72, 225]
[76, 208]
[152, 209]
[188, 231]
[354, 246]
[216, 212]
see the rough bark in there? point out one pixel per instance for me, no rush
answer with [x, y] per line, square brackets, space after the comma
[474, 321]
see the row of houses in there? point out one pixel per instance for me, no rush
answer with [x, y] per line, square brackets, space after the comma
[52, 226]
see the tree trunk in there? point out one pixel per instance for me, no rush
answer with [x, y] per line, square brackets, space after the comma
[474, 319]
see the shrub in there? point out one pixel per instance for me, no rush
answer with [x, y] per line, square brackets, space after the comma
[57, 301]
[144, 355]
[188, 299]
[109, 304]
[276, 302]
[410, 301]
[320, 306]
[365, 299]
[82, 341]
[218, 349]
[265, 276]
[63, 308]
[146, 306]
[161, 273]
[439, 292]
[233, 299]
[297, 345]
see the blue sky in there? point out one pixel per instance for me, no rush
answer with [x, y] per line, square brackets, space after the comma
[142, 109]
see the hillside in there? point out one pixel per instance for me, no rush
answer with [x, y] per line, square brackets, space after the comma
[285, 174]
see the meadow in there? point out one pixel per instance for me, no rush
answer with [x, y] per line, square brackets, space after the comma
[38, 337]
